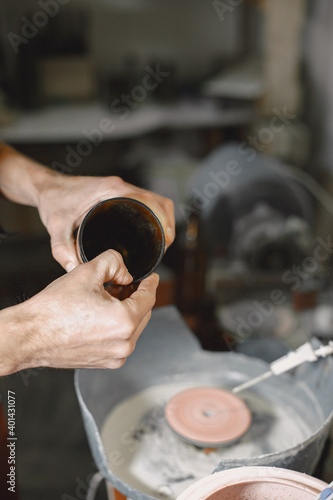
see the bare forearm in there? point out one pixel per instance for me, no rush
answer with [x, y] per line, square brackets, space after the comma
[16, 344]
[22, 179]
[74, 322]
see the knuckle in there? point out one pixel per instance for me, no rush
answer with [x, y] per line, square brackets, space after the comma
[109, 257]
[117, 182]
[169, 204]
[83, 271]
[114, 258]
[128, 328]
[114, 364]
[57, 247]
[114, 255]
[123, 350]
[57, 251]
[121, 362]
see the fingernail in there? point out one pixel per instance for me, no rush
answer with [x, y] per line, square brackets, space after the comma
[70, 266]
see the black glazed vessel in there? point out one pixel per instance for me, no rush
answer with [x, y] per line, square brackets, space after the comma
[127, 226]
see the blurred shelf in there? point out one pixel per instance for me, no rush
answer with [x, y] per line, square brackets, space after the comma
[77, 122]
[244, 80]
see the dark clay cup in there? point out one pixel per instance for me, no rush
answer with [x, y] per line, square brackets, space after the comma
[125, 225]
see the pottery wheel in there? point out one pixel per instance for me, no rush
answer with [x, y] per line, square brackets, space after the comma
[207, 416]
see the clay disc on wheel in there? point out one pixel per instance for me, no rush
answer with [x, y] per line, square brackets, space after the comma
[208, 416]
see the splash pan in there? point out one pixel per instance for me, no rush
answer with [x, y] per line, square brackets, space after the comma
[143, 458]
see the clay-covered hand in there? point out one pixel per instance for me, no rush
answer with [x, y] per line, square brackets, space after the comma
[74, 322]
[64, 201]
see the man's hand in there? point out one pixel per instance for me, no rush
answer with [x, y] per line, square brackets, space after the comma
[75, 323]
[64, 202]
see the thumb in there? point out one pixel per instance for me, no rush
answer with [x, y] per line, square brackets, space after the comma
[109, 266]
[63, 247]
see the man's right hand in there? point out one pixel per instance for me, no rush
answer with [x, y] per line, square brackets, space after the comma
[75, 323]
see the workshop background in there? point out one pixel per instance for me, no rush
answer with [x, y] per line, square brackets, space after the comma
[166, 94]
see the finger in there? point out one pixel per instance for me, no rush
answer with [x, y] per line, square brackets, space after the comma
[165, 213]
[109, 266]
[115, 363]
[144, 322]
[63, 245]
[163, 208]
[145, 319]
[170, 231]
[125, 348]
[140, 303]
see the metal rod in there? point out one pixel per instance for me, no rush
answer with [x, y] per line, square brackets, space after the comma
[252, 382]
